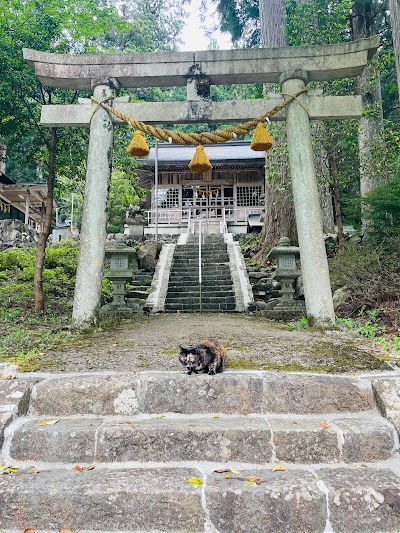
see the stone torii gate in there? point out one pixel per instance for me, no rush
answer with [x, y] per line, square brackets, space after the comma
[291, 67]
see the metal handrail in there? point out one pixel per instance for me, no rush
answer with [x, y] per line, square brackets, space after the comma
[189, 220]
[200, 272]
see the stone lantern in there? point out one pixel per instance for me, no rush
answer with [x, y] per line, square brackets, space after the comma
[286, 272]
[124, 263]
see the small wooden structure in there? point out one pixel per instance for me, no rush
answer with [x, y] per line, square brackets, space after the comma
[232, 192]
[22, 201]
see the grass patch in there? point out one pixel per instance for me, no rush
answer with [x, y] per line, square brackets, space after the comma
[169, 351]
[26, 337]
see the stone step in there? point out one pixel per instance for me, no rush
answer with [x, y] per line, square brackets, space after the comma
[137, 499]
[193, 267]
[206, 259]
[206, 276]
[194, 291]
[205, 308]
[186, 299]
[220, 438]
[178, 283]
[231, 392]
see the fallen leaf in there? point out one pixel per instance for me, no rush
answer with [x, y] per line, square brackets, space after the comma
[222, 470]
[295, 422]
[84, 468]
[195, 481]
[323, 339]
[48, 422]
[235, 471]
[65, 531]
[216, 416]
[9, 470]
[28, 530]
[254, 478]
[132, 424]
[279, 468]
[2, 467]
[249, 483]
[324, 425]
[228, 476]
[159, 417]
[318, 477]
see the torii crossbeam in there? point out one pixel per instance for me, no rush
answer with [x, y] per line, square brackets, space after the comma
[291, 67]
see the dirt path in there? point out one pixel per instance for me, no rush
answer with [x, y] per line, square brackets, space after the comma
[152, 343]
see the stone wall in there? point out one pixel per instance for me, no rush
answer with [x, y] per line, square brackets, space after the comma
[16, 234]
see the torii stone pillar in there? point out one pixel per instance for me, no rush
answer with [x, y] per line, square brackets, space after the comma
[93, 234]
[197, 70]
[314, 262]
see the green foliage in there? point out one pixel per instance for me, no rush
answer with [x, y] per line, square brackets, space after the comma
[371, 275]
[124, 190]
[301, 323]
[365, 325]
[25, 336]
[318, 22]
[384, 209]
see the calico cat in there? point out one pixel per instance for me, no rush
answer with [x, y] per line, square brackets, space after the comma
[208, 356]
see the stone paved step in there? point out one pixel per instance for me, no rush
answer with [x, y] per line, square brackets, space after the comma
[339, 500]
[213, 299]
[232, 392]
[337, 439]
[192, 291]
[205, 308]
[177, 283]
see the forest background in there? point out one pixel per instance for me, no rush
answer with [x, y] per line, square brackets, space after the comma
[358, 162]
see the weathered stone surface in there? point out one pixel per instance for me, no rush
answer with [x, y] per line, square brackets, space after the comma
[363, 500]
[166, 69]
[387, 393]
[148, 255]
[304, 441]
[14, 233]
[286, 502]
[109, 500]
[290, 393]
[366, 439]
[186, 439]
[15, 394]
[224, 393]
[70, 440]
[5, 418]
[90, 394]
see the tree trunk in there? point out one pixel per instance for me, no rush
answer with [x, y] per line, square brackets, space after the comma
[333, 168]
[279, 219]
[272, 23]
[394, 8]
[370, 137]
[45, 230]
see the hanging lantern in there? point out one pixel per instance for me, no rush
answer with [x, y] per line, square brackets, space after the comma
[200, 162]
[138, 146]
[262, 140]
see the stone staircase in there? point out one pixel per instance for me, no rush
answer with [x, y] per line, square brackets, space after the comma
[138, 439]
[183, 287]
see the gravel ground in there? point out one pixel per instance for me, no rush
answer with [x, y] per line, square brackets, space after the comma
[152, 343]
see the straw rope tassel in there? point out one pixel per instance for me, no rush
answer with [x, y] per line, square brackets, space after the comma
[262, 140]
[138, 145]
[200, 162]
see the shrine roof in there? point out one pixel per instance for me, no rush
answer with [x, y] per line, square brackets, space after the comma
[230, 152]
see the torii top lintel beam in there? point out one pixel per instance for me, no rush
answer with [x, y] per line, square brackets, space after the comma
[169, 69]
